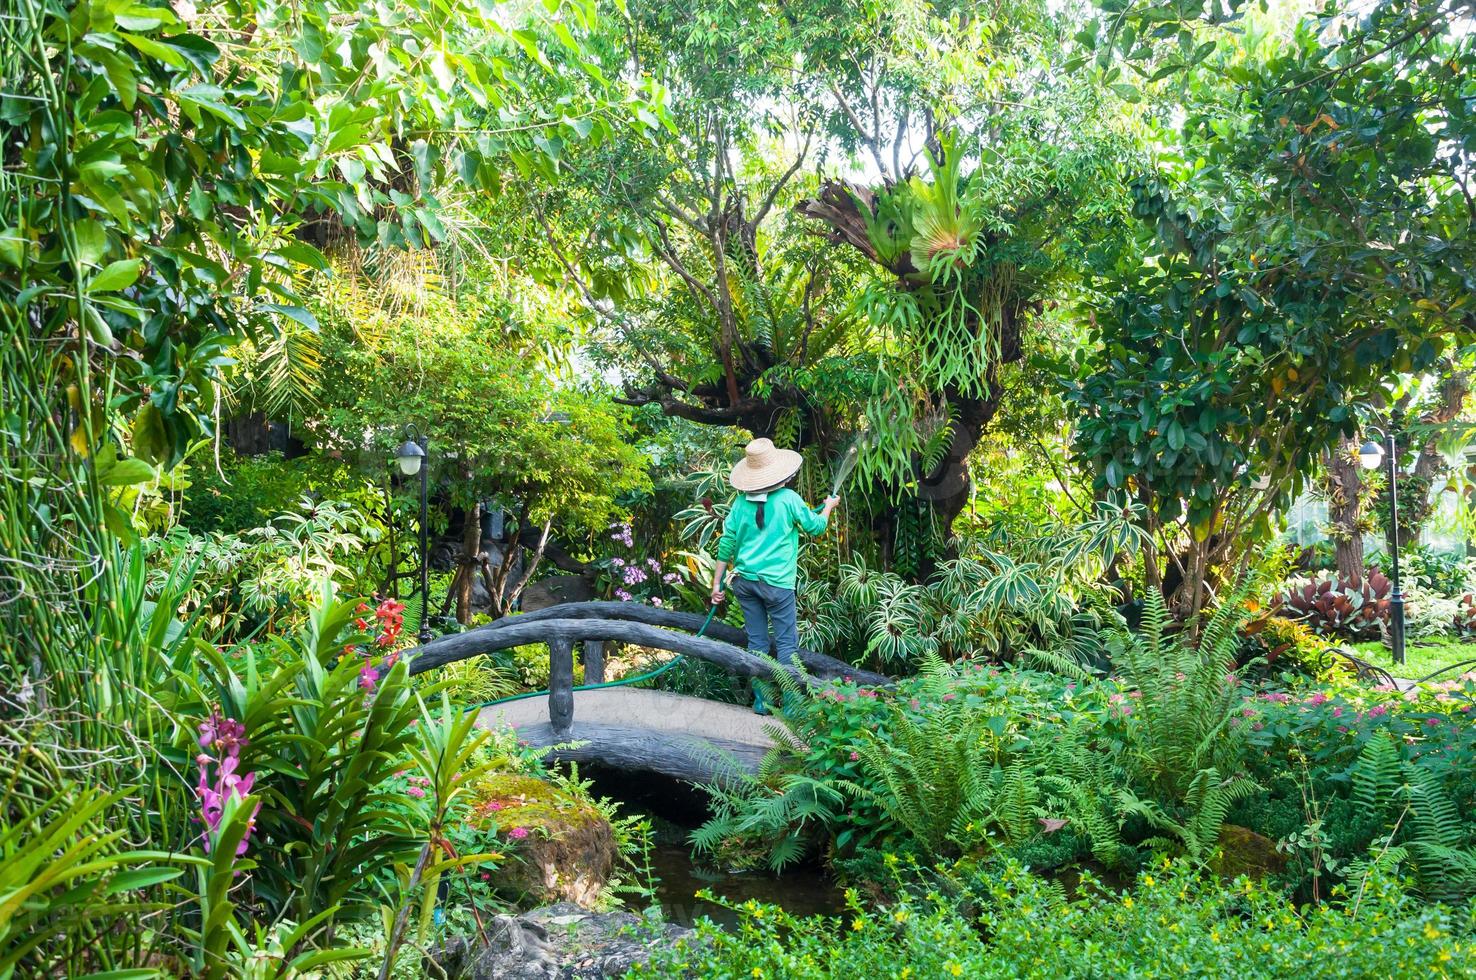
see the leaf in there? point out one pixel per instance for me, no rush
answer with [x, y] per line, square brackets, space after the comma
[118, 275]
[304, 254]
[98, 330]
[150, 439]
[141, 878]
[125, 473]
[298, 313]
[158, 51]
[13, 247]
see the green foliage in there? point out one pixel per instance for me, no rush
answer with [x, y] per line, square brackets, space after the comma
[940, 777]
[269, 575]
[1010, 923]
[331, 746]
[1028, 593]
[1256, 308]
[1183, 718]
[500, 424]
[1424, 825]
[63, 876]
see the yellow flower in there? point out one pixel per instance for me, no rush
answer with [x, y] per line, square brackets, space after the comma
[757, 972]
[906, 972]
[900, 915]
[1148, 880]
[858, 924]
[1445, 956]
[955, 969]
[1127, 901]
[1431, 932]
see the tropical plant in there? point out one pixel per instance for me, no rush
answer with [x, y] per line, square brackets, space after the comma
[1183, 712]
[64, 879]
[446, 756]
[326, 728]
[1333, 607]
[940, 777]
[1424, 825]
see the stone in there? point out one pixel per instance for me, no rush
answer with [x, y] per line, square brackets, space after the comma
[558, 848]
[1242, 851]
[557, 942]
[556, 590]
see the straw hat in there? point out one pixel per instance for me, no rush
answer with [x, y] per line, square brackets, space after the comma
[764, 466]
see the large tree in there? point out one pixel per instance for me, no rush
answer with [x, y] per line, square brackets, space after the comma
[1318, 249]
[964, 182]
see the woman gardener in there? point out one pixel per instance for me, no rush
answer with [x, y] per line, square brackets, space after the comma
[761, 544]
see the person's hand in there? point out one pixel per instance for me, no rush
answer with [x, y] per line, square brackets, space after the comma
[717, 595]
[830, 505]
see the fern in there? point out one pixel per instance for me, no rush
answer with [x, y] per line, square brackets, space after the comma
[1420, 817]
[1188, 696]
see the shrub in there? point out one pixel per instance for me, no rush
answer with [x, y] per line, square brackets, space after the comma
[1335, 607]
[1440, 571]
[1465, 615]
[1176, 922]
[1284, 644]
[1428, 614]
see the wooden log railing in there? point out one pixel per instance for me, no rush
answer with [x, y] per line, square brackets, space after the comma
[594, 624]
[818, 664]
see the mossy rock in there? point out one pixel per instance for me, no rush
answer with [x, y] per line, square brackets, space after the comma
[559, 848]
[1242, 851]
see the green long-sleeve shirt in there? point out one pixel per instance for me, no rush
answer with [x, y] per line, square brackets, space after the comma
[768, 554]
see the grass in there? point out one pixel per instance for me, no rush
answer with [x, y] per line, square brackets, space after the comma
[1421, 658]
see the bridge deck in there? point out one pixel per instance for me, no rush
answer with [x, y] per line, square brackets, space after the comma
[681, 736]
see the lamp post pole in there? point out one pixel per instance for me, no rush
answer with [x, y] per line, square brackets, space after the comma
[425, 632]
[413, 457]
[1396, 598]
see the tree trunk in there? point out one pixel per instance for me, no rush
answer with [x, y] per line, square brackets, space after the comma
[466, 565]
[1345, 509]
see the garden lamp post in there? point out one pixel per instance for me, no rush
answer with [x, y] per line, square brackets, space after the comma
[1370, 454]
[411, 458]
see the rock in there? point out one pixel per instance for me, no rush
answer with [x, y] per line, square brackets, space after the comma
[1244, 852]
[558, 942]
[555, 590]
[559, 848]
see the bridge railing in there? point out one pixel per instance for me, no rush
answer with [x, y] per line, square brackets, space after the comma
[597, 623]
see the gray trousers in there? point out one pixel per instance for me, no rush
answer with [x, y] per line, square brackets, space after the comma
[767, 609]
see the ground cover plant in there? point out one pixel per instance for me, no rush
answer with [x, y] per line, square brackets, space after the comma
[1094, 293]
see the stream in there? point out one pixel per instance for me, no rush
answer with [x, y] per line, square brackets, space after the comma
[674, 809]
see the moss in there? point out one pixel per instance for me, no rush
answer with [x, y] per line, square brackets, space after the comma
[512, 799]
[1245, 852]
[568, 851]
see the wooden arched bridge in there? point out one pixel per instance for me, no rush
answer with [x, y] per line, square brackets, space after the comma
[682, 736]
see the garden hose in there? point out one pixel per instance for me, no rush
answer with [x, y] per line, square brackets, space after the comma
[595, 687]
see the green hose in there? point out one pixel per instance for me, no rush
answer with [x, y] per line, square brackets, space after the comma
[595, 687]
